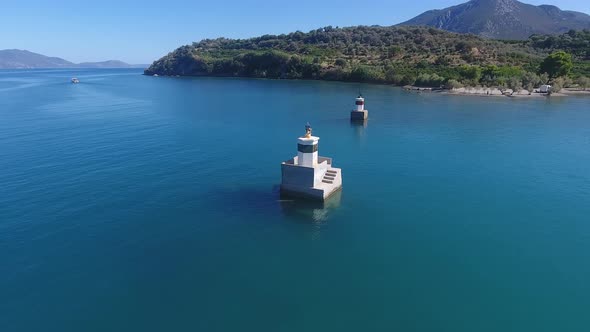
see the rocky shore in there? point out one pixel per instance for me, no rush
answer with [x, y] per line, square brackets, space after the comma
[575, 92]
[495, 92]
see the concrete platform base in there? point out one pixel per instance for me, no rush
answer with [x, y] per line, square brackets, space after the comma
[318, 182]
[308, 193]
[320, 191]
[359, 115]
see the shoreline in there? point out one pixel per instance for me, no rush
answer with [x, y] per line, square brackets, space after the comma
[466, 91]
[506, 94]
[495, 92]
[575, 92]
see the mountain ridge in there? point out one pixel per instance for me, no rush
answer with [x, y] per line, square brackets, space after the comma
[502, 19]
[24, 59]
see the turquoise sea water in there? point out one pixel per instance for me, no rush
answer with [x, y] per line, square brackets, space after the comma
[134, 203]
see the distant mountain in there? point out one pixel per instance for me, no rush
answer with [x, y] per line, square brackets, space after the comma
[22, 59]
[502, 19]
[16, 59]
[109, 64]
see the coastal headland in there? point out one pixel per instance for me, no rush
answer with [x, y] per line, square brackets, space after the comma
[417, 56]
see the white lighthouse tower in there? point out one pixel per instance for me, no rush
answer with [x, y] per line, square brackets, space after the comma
[360, 113]
[309, 175]
[307, 149]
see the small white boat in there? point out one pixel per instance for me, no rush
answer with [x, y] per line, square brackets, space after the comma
[75, 80]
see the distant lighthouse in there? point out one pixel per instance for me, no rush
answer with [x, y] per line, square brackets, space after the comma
[309, 175]
[360, 113]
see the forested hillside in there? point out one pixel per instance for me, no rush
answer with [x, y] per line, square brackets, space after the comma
[397, 55]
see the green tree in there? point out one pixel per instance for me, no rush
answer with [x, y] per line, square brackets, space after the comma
[557, 64]
[429, 80]
[408, 79]
[453, 84]
[340, 62]
[583, 82]
[530, 81]
[472, 74]
[515, 83]
[558, 84]
[365, 74]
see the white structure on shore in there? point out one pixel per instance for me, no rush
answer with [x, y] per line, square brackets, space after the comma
[309, 175]
[360, 113]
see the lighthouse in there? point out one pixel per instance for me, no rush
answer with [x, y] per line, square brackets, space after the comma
[307, 174]
[360, 113]
[307, 148]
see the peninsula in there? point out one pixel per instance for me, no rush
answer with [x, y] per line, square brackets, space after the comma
[396, 55]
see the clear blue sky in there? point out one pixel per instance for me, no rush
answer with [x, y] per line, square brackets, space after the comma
[142, 31]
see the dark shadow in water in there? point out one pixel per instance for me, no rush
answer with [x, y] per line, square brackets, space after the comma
[359, 127]
[313, 214]
[359, 123]
[251, 203]
[309, 211]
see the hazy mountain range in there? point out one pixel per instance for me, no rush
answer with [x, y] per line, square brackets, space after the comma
[502, 19]
[22, 59]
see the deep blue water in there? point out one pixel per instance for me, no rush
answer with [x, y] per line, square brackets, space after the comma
[134, 203]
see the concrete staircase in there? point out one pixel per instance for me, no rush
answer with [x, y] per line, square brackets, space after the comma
[329, 176]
